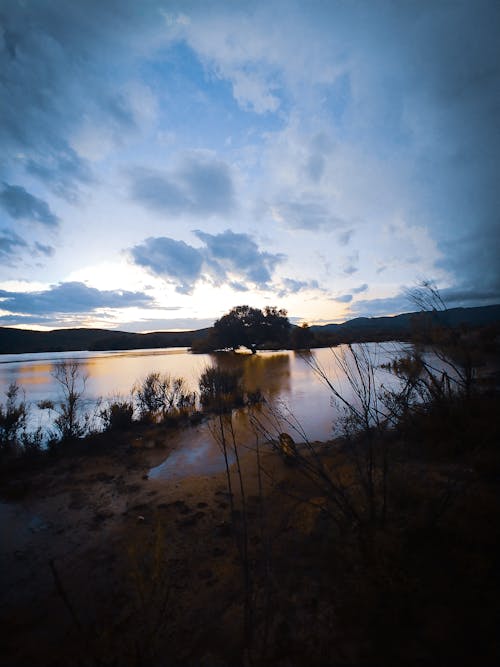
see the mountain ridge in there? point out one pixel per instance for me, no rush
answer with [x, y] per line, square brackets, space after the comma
[360, 329]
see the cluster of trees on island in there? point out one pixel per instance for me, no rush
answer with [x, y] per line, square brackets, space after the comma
[254, 329]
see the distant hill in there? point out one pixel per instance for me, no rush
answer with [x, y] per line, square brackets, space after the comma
[403, 326]
[14, 341]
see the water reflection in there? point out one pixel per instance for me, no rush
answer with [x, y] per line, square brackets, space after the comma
[269, 372]
[285, 378]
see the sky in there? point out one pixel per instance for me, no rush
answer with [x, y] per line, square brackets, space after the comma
[163, 161]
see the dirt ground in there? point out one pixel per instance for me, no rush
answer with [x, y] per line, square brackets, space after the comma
[95, 555]
[102, 565]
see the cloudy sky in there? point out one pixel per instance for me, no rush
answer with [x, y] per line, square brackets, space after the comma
[162, 161]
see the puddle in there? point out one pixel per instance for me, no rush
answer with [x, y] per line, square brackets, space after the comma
[196, 452]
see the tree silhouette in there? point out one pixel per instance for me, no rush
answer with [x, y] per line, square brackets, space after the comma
[250, 327]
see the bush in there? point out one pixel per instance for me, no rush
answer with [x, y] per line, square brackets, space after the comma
[221, 389]
[69, 422]
[13, 418]
[160, 397]
[117, 415]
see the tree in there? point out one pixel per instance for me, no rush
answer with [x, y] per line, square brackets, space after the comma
[250, 327]
[72, 381]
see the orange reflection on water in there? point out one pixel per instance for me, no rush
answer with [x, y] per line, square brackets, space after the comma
[33, 374]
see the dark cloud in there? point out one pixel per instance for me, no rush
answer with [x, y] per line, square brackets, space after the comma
[238, 254]
[474, 259]
[13, 248]
[72, 297]
[292, 286]
[59, 63]
[21, 205]
[344, 298]
[10, 244]
[227, 257]
[174, 260]
[453, 63]
[470, 296]
[200, 186]
[361, 288]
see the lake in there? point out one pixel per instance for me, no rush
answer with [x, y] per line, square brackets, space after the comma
[285, 378]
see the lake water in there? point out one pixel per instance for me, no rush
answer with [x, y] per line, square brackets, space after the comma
[285, 378]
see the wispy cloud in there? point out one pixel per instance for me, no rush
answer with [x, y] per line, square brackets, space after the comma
[200, 185]
[306, 214]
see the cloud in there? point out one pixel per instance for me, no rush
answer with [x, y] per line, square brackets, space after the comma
[410, 93]
[200, 185]
[392, 305]
[292, 286]
[61, 172]
[465, 296]
[344, 237]
[72, 297]
[306, 214]
[21, 205]
[64, 68]
[238, 254]
[13, 247]
[344, 298]
[8, 320]
[361, 288]
[173, 260]
[45, 250]
[227, 257]
[10, 244]
[350, 264]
